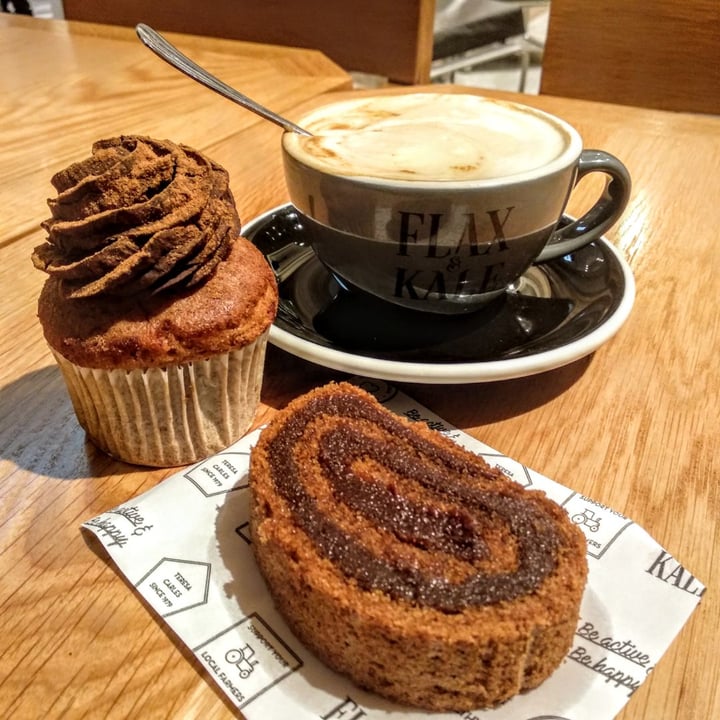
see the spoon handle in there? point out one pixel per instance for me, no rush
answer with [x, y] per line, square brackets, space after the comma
[168, 52]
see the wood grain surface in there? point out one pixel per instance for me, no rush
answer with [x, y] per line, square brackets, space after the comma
[664, 56]
[634, 426]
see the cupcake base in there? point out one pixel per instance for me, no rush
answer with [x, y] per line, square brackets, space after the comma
[168, 416]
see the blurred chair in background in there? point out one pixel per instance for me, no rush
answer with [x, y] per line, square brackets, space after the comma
[19, 7]
[664, 54]
[470, 34]
[389, 38]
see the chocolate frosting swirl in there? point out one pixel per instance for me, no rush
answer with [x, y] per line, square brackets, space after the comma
[443, 513]
[138, 215]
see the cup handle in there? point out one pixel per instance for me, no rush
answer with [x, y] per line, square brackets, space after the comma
[602, 214]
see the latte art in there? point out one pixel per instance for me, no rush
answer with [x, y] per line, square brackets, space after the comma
[428, 137]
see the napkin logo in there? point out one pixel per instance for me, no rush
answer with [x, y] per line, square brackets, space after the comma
[415, 415]
[512, 468]
[588, 518]
[348, 709]
[247, 659]
[601, 524]
[243, 530]
[667, 569]
[241, 658]
[378, 388]
[119, 525]
[475, 716]
[220, 474]
[174, 585]
[619, 660]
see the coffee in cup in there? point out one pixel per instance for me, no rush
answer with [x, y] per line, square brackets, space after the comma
[440, 201]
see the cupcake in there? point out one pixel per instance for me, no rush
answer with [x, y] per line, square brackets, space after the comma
[155, 308]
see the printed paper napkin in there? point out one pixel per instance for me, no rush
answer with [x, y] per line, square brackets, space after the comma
[185, 547]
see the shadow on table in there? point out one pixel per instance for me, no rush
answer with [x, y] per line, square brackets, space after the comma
[464, 405]
[40, 433]
[474, 405]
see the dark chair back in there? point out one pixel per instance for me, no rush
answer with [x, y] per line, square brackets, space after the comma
[390, 38]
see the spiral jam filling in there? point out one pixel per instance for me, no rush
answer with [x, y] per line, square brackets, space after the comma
[138, 215]
[410, 518]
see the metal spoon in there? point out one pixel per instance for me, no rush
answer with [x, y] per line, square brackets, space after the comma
[168, 52]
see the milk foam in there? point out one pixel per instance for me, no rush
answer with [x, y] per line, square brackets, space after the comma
[425, 137]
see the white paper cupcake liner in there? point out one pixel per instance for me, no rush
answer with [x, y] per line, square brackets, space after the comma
[168, 416]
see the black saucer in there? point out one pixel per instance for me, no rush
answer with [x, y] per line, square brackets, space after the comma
[553, 306]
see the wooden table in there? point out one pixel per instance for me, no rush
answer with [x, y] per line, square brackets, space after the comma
[634, 426]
